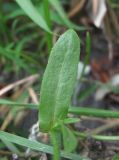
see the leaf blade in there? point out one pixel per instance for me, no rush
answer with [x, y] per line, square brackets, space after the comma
[56, 4]
[36, 145]
[69, 139]
[33, 14]
[58, 80]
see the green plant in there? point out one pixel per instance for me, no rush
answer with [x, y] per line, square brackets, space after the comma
[58, 80]
[56, 91]
[39, 18]
[57, 85]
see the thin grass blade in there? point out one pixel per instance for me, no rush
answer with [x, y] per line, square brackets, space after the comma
[36, 145]
[33, 13]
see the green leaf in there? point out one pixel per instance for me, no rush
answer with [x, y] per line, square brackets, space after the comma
[13, 104]
[56, 4]
[11, 146]
[90, 111]
[36, 145]
[71, 120]
[11, 55]
[33, 13]
[94, 112]
[58, 81]
[69, 140]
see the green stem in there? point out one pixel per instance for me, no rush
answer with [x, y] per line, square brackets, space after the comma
[88, 53]
[83, 111]
[48, 21]
[97, 137]
[56, 144]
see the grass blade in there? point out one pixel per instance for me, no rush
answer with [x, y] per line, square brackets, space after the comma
[33, 13]
[97, 137]
[84, 111]
[94, 112]
[56, 4]
[36, 145]
[48, 21]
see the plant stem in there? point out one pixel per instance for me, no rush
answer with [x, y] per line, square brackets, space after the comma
[88, 52]
[97, 137]
[48, 21]
[56, 144]
[84, 111]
